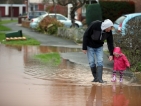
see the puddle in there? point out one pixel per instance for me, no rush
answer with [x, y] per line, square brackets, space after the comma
[25, 81]
[114, 95]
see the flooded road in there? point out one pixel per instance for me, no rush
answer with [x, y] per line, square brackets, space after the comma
[25, 81]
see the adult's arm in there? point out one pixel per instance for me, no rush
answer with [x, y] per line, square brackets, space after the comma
[110, 43]
[87, 35]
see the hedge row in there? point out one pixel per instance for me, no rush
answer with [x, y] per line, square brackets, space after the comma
[93, 12]
[114, 9]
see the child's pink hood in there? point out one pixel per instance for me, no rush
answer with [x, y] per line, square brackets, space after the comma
[117, 50]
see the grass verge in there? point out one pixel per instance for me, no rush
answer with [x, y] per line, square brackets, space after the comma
[53, 59]
[7, 21]
[28, 41]
[4, 28]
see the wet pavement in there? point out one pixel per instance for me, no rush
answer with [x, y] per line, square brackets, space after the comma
[25, 81]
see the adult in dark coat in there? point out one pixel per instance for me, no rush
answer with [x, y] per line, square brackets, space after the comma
[93, 41]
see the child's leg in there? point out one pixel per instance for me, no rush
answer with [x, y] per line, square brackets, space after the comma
[114, 76]
[121, 75]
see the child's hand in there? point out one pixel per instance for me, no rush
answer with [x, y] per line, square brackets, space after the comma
[110, 58]
[128, 67]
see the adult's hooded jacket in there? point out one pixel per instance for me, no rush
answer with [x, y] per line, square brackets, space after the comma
[88, 41]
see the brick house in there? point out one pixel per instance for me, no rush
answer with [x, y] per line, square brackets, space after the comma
[137, 5]
[5, 9]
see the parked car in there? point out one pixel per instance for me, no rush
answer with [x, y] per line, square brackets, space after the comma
[67, 22]
[121, 22]
[35, 14]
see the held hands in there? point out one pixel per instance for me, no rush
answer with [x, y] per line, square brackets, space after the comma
[110, 58]
[84, 51]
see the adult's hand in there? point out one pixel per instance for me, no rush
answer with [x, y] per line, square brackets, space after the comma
[110, 58]
[84, 51]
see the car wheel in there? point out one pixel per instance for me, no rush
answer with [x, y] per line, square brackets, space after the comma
[76, 26]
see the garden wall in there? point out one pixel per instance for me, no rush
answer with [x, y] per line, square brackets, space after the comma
[75, 34]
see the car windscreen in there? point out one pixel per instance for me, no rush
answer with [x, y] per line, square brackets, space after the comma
[120, 20]
[137, 18]
[36, 13]
[60, 17]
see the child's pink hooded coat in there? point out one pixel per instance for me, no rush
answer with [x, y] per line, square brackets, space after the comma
[121, 62]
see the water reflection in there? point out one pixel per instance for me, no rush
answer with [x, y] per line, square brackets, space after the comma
[95, 97]
[16, 47]
[119, 98]
[114, 95]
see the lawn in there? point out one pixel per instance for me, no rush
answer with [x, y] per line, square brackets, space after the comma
[7, 21]
[2, 27]
[53, 59]
[28, 41]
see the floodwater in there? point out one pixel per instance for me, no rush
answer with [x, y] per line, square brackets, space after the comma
[25, 81]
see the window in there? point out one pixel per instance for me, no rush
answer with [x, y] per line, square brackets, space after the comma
[120, 20]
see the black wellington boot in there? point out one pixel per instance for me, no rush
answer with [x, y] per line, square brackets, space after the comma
[99, 73]
[93, 69]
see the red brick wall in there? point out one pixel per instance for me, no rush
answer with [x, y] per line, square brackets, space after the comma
[59, 9]
[137, 5]
[41, 7]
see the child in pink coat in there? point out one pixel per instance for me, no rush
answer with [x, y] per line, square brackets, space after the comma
[120, 63]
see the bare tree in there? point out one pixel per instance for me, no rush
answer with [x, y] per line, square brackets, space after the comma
[53, 1]
[75, 3]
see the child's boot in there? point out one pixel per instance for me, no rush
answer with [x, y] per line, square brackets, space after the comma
[121, 80]
[114, 78]
[121, 74]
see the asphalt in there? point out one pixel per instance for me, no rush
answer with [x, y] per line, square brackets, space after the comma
[48, 40]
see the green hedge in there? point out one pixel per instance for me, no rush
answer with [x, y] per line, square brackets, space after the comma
[114, 9]
[93, 12]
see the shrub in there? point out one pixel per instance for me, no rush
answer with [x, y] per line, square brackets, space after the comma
[49, 25]
[52, 29]
[114, 9]
[130, 43]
